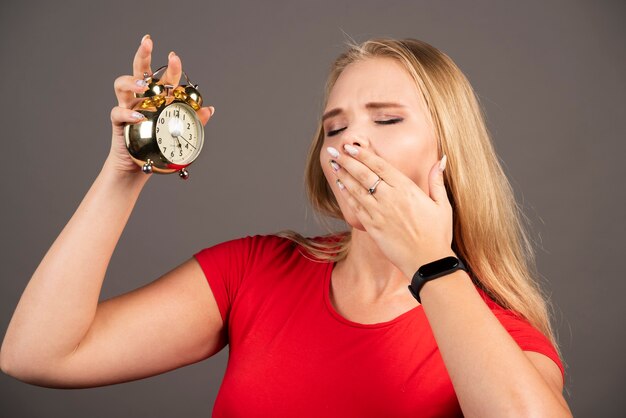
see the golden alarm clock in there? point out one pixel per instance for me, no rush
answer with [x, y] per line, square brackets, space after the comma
[172, 135]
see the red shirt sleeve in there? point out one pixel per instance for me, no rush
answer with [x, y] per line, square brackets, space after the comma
[525, 335]
[224, 266]
[227, 265]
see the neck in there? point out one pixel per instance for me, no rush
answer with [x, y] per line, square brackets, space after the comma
[368, 271]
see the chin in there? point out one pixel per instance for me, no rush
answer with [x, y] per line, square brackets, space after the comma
[355, 224]
[349, 217]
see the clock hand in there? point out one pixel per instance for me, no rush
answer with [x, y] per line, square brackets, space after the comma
[187, 141]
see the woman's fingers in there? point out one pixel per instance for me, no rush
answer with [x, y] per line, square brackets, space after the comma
[143, 56]
[121, 116]
[360, 162]
[174, 70]
[125, 87]
[354, 187]
[356, 197]
[205, 114]
[364, 161]
[365, 176]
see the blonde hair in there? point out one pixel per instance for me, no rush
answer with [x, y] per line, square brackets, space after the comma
[488, 232]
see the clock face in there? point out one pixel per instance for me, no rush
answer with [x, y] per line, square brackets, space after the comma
[179, 133]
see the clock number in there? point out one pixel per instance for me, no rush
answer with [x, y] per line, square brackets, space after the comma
[162, 120]
[187, 146]
[160, 140]
[188, 125]
[183, 116]
[157, 129]
[190, 136]
[181, 153]
[164, 149]
[177, 113]
[172, 154]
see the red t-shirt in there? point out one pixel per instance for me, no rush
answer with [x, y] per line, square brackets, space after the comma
[293, 355]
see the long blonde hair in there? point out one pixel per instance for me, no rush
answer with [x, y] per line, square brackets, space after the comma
[488, 232]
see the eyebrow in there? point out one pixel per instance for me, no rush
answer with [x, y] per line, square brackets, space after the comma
[371, 105]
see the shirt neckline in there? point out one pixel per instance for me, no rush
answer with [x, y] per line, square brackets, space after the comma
[331, 309]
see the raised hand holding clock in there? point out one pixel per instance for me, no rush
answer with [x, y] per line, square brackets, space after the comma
[132, 92]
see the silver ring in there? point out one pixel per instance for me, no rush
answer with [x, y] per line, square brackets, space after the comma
[372, 189]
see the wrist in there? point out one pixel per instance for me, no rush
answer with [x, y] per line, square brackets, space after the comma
[412, 267]
[123, 177]
[442, 286]
[438, 268]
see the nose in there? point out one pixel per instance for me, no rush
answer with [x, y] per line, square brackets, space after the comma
[355, 140]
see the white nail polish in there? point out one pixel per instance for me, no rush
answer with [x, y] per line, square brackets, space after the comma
[351, 150]
[137, 115]
[333, 152]
[141, 83]
[442, 163]
[340, 184]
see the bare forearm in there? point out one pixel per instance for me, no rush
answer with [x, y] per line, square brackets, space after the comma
[491, 375]
[59, 303]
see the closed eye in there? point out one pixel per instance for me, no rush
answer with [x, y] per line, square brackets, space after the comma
[335, 132]
[389, 121]
[381, 122]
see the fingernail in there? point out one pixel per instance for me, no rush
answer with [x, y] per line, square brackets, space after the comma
[146, 36]
[333, 152]
[137, 115]
[351, 150]
[141, 83]
[442, 163]
[171, 55]
[334, 165]
[340, 184]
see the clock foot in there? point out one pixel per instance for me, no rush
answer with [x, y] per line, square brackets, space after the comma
[184, 174]
[147, 167]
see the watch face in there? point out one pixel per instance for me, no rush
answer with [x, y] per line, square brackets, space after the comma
[179, 133]
[438, 266]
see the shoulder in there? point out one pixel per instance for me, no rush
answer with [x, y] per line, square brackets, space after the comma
[245, 248]
[511, 320]
[260, 247]
[507, 316]
[527, 336]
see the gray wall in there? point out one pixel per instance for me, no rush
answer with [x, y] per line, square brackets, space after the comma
[549, 74]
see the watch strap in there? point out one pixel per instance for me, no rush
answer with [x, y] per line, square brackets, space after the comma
[433, 270]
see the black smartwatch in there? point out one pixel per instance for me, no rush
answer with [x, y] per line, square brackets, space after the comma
[432, 271]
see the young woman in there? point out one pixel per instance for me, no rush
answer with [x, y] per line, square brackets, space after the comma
[323, 326]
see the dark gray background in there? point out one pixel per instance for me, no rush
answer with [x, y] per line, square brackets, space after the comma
[549, 74]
